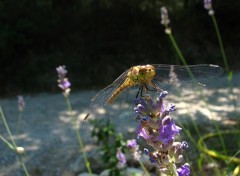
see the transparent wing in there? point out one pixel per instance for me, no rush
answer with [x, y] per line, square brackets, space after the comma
[102, 97]
[99, 106]
[184, 76]
[167, 77]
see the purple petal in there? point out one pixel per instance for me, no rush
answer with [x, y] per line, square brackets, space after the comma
[142, 132]
[167, 131]
[184, 170]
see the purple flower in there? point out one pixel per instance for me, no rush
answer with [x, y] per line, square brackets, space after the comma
[163, 94]
[140, 109]
[208, 6]
[184, 170]
[63, 82]
[172, 108]
[142, 132]
[159, 130]
[61, 70]
[168, 130]
[146, 107]
[152, 159]
[131, 143]
[184, 145]
[121, 158]
[134, 149]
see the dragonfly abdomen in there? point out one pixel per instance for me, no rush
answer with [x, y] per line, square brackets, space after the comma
[126, 84]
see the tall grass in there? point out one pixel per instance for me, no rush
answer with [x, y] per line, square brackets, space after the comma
[12, 145]
[206, 155]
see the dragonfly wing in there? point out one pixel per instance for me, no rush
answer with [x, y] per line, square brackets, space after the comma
[168, 76]
[102, 97]
[99, 106]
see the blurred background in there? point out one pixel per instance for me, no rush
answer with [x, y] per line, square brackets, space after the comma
[99, 39]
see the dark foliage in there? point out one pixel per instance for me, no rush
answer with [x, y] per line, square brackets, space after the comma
[97, 40]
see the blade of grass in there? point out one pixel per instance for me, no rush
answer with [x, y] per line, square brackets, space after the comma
[13, 142]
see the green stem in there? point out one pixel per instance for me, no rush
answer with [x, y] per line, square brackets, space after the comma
[23, 166]
[220, 43]
[144, 168]
[6, 142]
[229, 72]
[13, 142]
[173, 169]
[78, 136]
[214, 153]
[192, 77]
[180, 55]
[7, 128]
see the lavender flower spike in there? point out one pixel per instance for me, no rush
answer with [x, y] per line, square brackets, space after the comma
[121, 158]
[158, 128]
[208, 6]
[63, 82]
[164, 16]
[165, 20]
[134, 149]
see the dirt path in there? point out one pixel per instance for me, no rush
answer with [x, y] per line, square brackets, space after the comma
[45, 130]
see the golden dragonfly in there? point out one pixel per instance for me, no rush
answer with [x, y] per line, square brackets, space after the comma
[153, 78]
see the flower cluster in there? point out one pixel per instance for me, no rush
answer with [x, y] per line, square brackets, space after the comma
[134, 149]
[121, 158]
[164, 16]
[63, 82]
[208, 6]
[165, 20]
[159, 130]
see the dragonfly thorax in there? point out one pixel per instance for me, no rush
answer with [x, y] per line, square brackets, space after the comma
[141, 73]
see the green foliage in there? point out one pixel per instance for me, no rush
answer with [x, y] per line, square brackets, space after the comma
[109, 142]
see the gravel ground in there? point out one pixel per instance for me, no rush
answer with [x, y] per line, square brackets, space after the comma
[45, 129]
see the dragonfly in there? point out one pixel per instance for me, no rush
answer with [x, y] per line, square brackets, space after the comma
[154, 78]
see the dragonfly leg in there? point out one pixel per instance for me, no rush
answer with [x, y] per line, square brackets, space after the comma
[144, 89]
[139, 90]
[154, 87]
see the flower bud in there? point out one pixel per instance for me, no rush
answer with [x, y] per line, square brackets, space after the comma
[20, 150]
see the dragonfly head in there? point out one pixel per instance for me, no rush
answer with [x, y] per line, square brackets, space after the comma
[146, 72]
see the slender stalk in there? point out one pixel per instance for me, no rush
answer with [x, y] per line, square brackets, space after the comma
[6, 142]
[225, 60]
[192, 77]
[220, 43]
[173, 169]
[13, 142]
[214, 153]
[78, 136]
[143, 167]
[180, 55]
